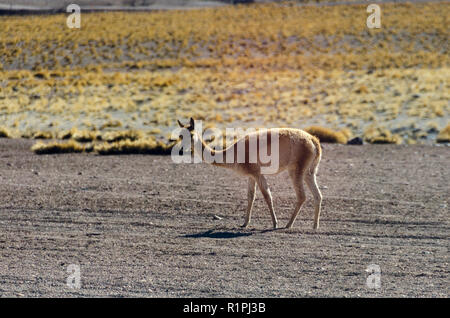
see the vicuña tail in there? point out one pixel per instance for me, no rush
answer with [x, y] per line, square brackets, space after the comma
[315, 163]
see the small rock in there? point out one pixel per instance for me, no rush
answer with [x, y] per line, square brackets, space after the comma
[421, 275]
[399, 130]
[355, 141]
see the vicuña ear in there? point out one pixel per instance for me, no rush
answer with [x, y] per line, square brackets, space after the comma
[180, 124]
[191, 124]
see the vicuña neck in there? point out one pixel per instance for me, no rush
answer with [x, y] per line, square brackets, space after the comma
[212, 153]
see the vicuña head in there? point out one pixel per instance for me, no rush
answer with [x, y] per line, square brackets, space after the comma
[190, 126]
[194, 138]
[264, 152]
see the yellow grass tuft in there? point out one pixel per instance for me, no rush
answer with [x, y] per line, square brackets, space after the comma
[66, 134]
[141, 146]
[43, 135]
[444, 134]
[114, 136]
[154, 131]
[56, 147]
[111, 124]
[4, 133]
[85, 135]
[328, 135]
[362, 89]
[375, 135]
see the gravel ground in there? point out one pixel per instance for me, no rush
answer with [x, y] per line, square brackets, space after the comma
[142, 226]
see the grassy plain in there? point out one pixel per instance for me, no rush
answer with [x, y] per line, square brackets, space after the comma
[262, 65]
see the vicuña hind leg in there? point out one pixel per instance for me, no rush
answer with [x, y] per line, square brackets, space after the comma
[251, 199]
[262, 183]
[312, 185]
[297, 181]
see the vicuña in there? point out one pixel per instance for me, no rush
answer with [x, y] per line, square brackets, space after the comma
[296, 151]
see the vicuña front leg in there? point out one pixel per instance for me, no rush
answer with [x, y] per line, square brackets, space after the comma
[262, 183]
[251, 199]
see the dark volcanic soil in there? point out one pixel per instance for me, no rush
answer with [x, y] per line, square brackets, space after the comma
[142, 226]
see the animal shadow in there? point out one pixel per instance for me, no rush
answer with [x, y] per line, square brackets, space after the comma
[218, 235]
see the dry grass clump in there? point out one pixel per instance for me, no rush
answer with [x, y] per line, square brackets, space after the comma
[111, 124]
[141, 146]
[4, 133]
[79, 135]
[154, 131]
[93, 135]
[114, 136]
[444, 135]
[43, 135]
[85, 135]
[57, 147]
[376, 135]
[66, 134]
[328, 135]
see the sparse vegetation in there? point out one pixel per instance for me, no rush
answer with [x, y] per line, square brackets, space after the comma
[444, 134]
[274, 65]
[43, 135]
[114, 136]
[4, 133]
[328, 135]
[142, 146]
[376, 135]
[84, 135]
[56, 147]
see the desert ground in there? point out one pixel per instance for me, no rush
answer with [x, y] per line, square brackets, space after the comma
[142, 226]
[82, 108]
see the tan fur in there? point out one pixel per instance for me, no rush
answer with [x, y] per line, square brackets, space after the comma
[299, 153]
